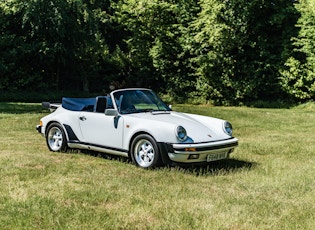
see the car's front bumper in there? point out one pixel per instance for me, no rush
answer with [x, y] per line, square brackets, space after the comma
[200, 152]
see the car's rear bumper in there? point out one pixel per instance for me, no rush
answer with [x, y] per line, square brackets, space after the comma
[39, 129]
[199, 152]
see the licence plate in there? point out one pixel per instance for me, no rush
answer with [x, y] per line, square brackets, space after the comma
[216, 156]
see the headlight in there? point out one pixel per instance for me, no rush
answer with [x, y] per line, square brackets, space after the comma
[228, 128]
[181, 133]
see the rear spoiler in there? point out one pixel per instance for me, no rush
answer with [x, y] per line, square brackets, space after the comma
[52, 106]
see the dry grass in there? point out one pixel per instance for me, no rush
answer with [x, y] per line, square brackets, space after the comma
[268, 184]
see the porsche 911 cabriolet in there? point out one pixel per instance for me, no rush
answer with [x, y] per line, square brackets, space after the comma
[137, 124]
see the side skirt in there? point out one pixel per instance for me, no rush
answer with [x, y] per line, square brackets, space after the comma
[103, 149]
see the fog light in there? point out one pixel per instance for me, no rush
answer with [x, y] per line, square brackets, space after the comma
[193, 156]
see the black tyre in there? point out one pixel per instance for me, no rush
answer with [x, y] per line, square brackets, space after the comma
[56, 138]
[144, 151]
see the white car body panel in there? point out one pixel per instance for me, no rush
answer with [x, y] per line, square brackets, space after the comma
[157, 125]
[99, 129]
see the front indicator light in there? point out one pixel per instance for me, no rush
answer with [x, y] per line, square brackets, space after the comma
[190, 149]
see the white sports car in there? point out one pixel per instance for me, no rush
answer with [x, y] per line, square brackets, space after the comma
[135, 123]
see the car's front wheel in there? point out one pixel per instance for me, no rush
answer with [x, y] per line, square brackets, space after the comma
[56, 138]
[144, 151]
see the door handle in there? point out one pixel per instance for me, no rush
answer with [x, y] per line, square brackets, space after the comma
[83, 118]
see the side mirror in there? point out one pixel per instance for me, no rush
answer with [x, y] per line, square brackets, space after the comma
[111, 112]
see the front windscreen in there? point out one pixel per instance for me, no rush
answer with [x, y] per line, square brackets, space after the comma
[137, 101]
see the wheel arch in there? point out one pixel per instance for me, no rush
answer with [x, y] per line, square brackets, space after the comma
[161, 147]
[133, 137]
[56, 137]
[62, 125]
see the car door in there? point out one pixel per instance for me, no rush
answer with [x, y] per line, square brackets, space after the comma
[101, 130]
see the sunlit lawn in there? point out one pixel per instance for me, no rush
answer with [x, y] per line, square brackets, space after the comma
[268, 183]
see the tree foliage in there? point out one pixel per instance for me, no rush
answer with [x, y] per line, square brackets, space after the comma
[239, 46]
[56, 43]
[228, 52]
[298, 76]
[157, 33]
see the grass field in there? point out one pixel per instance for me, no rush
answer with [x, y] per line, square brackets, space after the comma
[268, 183]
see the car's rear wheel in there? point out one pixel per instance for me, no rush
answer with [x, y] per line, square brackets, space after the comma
[56, 138]
[144, 151]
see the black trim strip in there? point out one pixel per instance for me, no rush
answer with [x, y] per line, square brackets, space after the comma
[211, 141]
[71, 134]
[210, 147]
[164, 149]
[98, 146]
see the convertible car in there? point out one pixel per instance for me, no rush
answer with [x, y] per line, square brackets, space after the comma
[135, 123]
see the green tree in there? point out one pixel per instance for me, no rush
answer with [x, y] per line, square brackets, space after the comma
[53, 43]
[298, 76]
[239, 48]
[157, 42]
[12, 48]
[63, 38]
